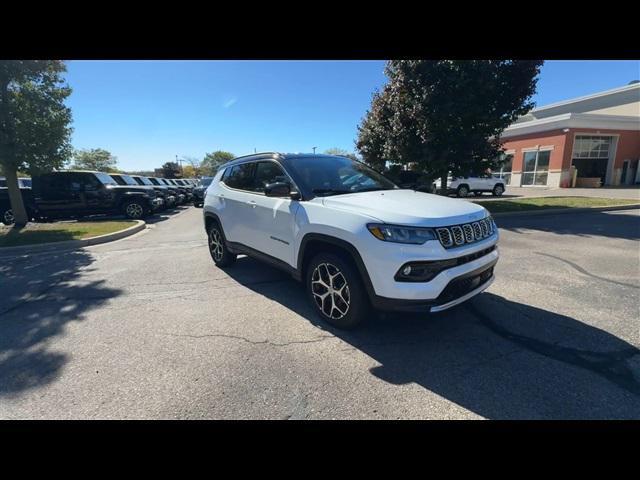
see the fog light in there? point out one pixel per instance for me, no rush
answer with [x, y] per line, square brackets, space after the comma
[406, 270]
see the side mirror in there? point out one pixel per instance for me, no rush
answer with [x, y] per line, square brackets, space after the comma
[277, 189]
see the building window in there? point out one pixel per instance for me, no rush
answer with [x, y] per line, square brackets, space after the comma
[591, 146]
[591, 156]
[535, 167]
[505, 170]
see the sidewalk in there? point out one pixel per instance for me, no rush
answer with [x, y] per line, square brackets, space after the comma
[632, 192]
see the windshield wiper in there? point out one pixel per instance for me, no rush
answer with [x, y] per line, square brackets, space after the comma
[331, 191]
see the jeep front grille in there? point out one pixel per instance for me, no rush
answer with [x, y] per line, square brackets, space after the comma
[457, 235]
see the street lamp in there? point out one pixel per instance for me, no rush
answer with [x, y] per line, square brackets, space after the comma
[314, 150]
[180, 162]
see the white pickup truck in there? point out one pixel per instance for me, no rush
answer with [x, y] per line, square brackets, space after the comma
[463, 186]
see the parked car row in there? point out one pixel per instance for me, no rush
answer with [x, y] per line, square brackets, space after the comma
[76, 194]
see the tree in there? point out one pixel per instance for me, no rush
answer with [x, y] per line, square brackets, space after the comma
[189, 172]
[192, 169]
[212, 161]
[171, 170]
[446, 115]
[341, 153]
[95, 159]
[34, 122]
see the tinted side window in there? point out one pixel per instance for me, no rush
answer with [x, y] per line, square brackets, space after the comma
[91, 182]
[75, 182]
[56, 183]
[240, 176]
[266, 173]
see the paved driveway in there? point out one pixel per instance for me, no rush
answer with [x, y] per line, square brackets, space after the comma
[605, 192]
[147, 327]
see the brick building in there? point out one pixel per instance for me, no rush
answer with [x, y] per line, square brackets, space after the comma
[597, 135]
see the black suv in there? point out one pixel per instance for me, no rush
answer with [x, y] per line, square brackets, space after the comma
[177, 192]
[122, 179]
[80, 193]
[163, 191]
[198, 191]
[186, 187]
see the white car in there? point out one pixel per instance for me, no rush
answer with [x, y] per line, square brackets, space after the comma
[352, 236]
[463, 186]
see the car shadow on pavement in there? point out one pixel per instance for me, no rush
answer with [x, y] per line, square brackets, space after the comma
[603, 224]
[41, 294]
[497, 358]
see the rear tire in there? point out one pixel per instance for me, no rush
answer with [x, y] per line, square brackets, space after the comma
[218, 250]
[336, 291]
[498, 190]
[463, 191]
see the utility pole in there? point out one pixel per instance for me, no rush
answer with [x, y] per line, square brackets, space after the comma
[180, 162]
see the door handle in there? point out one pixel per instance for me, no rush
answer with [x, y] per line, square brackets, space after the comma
[252, 203]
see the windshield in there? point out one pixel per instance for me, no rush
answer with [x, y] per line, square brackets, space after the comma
[105, 179]
[336, 175]
[205, 181]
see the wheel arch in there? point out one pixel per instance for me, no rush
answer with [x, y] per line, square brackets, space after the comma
[209, 219]
[313, 243]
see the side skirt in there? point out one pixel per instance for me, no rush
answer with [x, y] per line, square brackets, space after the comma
[240, 248]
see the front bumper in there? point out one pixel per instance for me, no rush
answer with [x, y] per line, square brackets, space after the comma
[459, 290]
[383, 259]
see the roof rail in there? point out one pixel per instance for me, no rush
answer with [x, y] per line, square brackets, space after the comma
[257, 153]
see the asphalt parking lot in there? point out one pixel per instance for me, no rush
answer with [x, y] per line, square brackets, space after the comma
[148, 327]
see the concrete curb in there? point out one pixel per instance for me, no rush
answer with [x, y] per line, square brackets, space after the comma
[554, 211]
[73, 244]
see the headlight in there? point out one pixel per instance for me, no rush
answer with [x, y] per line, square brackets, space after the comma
[400, 234]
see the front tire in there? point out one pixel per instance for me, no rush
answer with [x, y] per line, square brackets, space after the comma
[498, 190]
[7, 217]
[218, 250]
[134, 209]
[336, 291]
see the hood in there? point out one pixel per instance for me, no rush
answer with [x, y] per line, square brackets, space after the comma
[408, 207]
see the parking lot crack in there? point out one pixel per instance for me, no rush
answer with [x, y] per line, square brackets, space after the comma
[252, 342]
[577, 267]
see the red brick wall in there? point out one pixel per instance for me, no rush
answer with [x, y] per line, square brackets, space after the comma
[557, 138]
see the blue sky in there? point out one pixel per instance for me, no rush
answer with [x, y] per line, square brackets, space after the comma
[147, 112]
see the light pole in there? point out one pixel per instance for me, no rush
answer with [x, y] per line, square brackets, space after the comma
[314, 150]
[180, 162]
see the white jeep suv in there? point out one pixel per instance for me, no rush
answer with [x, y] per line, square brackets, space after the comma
[476, 184]
[352, 236]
